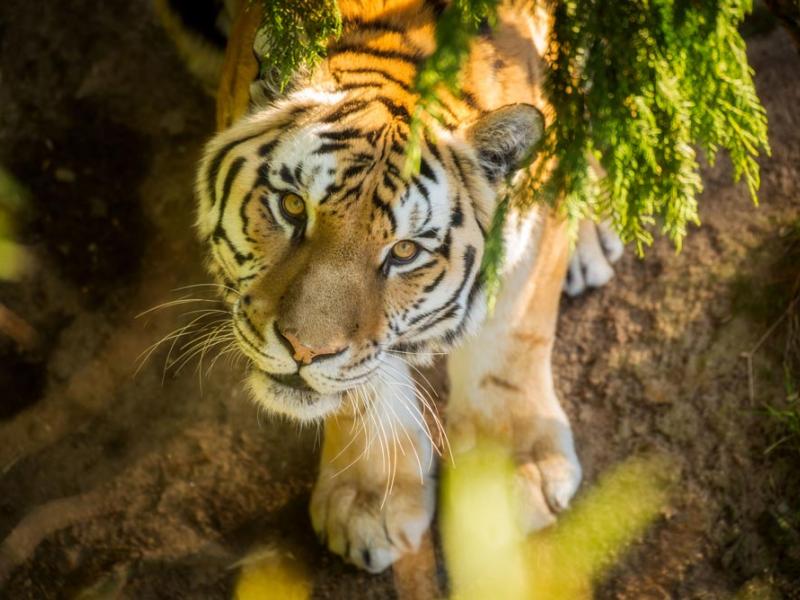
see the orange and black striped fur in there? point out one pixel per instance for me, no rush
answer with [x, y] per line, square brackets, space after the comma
[342, 273]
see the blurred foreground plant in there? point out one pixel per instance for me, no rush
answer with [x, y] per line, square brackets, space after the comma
[271, 574]
[489, 557]
[13, 198]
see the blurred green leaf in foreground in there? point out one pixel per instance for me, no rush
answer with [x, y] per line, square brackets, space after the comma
[487, 554]
[13, 198]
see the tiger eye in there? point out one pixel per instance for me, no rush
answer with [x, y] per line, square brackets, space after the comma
[404, 251]
[293, 206]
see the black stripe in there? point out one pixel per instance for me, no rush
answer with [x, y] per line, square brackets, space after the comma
[348, 133]
[221, 236]
[353, 170]
[219, 232]
[412, 59]
[387, 182]
[267, 207]
[385, 209]
[426, 171]
[379, 72]
[358, 86]
[236, 166]
[216, 162]
[433, 149]
[331, 147]
[345, 109]
[438, 6]
[421, 187]
[457, 215]
[459, 167]
[376, 25]
[428, 215]
[395, 109]
[331, 189]
[469, 262]
[263, 179]
[243, 215]
[451, 312]
[452, 336]
[353, 191]
[470, 100]
[479, 224]
[427, 265]
[444, 248]
[268, 147]
[435, 283]
[287, 176]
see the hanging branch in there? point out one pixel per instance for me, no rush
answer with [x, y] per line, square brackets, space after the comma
[639, 85]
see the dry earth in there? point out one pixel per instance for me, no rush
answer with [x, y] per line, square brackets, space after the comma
[153, 486]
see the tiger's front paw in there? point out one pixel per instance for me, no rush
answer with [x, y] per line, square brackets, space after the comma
[365, 526]
[545, 488]
[598, 247]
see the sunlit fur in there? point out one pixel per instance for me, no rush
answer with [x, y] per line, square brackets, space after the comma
[339, 142]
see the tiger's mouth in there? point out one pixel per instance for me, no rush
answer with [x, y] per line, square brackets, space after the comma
[292, 380]
[290, 395]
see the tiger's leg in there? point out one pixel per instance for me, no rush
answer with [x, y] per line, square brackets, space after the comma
[597, 248]
[502, 384]
[374, 497]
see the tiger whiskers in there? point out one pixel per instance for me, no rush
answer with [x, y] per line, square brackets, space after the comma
[218, 286]
[176, 302]
[232, 347]
[390, 406]
[357, 419]
[395, 351]
[208, 328]
[175, 335]
[190, 349]
[418, 418]
[390, 464]
[375, 419]
[425, 397]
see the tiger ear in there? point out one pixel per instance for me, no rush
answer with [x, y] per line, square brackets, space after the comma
[504, 138]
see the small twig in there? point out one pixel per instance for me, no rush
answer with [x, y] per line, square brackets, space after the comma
[17, 328]
[748, 356]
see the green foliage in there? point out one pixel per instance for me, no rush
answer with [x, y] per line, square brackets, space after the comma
[457, 26]
[478, 496]
[640, 85]
[295, 35]
[13, 200]
[493, 253]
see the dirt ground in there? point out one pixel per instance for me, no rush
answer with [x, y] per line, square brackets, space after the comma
[150, 485]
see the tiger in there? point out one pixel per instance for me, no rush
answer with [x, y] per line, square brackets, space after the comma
[344, 274]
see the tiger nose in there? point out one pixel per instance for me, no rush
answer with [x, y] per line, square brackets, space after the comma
[301, 353]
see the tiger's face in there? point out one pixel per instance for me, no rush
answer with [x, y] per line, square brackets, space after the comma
[333, 260]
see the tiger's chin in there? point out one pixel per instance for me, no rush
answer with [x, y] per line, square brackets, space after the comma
[299, 405]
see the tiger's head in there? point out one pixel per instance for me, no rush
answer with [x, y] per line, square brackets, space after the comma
[332, 259]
